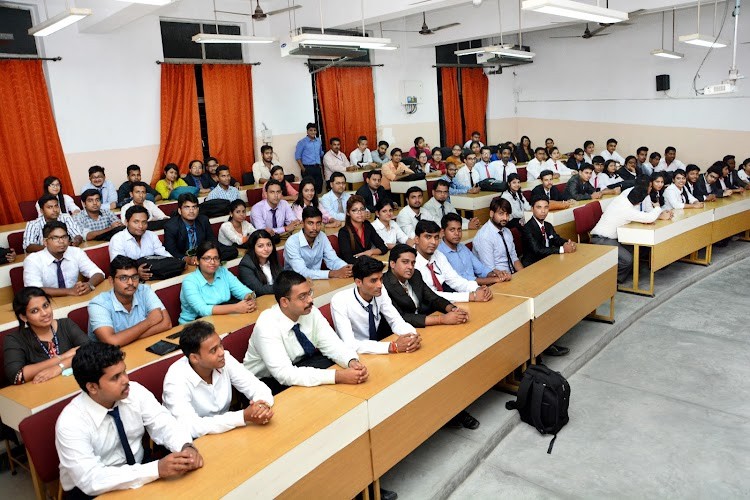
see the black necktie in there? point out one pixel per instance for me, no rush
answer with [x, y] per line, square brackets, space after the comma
[471, 179]
[418, 216]
[307, 346]
[507, 253]
[273, 217]
[371, 319]
[60, 275]
[442, 209]
[685, 197]
[115, 414]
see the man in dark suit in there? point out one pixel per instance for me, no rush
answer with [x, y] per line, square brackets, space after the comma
[706, 187]
[187, 230]
[415, 302]
[557, 199]
[372, 192]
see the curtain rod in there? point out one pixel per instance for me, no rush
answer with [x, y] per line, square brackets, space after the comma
[445, 65]
[206, 61]
[32, 58]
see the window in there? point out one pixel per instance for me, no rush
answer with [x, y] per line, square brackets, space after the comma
[16, 21]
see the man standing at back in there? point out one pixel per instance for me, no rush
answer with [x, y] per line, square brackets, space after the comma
[308, 153]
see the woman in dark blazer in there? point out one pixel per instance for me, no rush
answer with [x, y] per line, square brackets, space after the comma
[260, 261]
[358, 237]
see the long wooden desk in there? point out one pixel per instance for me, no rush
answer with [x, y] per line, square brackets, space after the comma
[731, 216]
[564, 289]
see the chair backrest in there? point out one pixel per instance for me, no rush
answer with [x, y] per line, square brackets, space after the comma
[280, 256]
[584, 220]
[16, 279]
[170, 297]
[325, 310]
[15, 241]
[527, 194]
[234, 270]
[38, 433]
[80, 317]
[168, 208]
[517, 241]
[3, 381]
[596, 211]
[152, 376]
[334, 242]
[100, 257]
[561, 187]
[523, 176]
[254, 196]
[215, 228]
[236, 342]
[28, 210]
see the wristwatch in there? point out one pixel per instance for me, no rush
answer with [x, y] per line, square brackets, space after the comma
[91, 285]
[62, 366]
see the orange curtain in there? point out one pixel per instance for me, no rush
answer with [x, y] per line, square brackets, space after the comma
[451, 108]
[474, 88]
[28, 138]
[180, 126]
[347, 102]
[228, 90]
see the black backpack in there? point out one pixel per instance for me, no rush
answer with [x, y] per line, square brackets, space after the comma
[163, 267]
[543, 399]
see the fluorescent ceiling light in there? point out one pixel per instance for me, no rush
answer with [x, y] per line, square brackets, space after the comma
[149, 2]
[669, 54]
[58, 22]
[214, 38]
[500, 50]
[576, 10]
[703, 40]
[344, 41]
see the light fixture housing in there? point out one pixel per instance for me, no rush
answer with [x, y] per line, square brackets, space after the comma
[60, 21]
[149, 2]
[214, 38]
[363, 42]
[668, 54]
[576, 10]
[500, 50]
[703, 40]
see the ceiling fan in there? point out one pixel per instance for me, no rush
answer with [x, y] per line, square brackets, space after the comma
[587, 33]
[258, 14]
[426, 30]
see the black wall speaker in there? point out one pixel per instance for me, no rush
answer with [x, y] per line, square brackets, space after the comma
[662, 82]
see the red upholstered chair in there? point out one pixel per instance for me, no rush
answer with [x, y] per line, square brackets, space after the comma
[585, 219]
[38, 433]
[80, 317]
[100, 257]
[470, 245]
[3, 381]
[234, 270]
[596, 211]
[334, 242]
[168, 208]
[517, 241]
[527, 194]
[280, 256]
[561, 187]
[16, 279]
[15, 241]
[254, 196]
[236, 342]
[215, 228]
[152, 376]
[170, 297]
[161, 236]
[28, 210]
[325, 310]
[523, 176]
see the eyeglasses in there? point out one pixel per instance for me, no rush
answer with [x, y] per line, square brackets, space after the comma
[124, 278]
[357, 210]
[303, 296]
[211, 259]
[55, 185]
[57, 239]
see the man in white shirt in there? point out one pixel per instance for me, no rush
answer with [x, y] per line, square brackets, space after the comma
[99, 435]
[361, 157]
[438, 274]
[412, 213]
[610, 153]
[56, 268]
[335, 160]
[537, 164]
[669, 163]
[138, 195]
[475, 136]
[438, 206]
[676, 196]
[502, 168]
[468, 175]
[198, 387]
[282, 349]
[262, 168]
[137, 241]
[364, 315]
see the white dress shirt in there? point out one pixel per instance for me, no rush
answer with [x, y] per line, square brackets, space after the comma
[620, 212]
[557, 167]
[261, 171]
[228, 236]
[468, 144]
[333, 162]
[533, 168]
[203, 408]
[445, 274]
[434, 212]
[588, 158]
[392, 235]
[496, 169]
[39, 268]
[273, 348]
[123, 243]
[743, 175]
[360, 158]
[154, 212]
[89, 448]
[407, 220]
[613, 156]
[352, 320]
[673, 197]
[663, 167]
[466, 178]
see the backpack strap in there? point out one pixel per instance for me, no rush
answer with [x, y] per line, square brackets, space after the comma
[521, 395]
[551, 444]
[536, 406]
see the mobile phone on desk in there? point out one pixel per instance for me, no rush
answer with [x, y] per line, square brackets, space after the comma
[162, 347]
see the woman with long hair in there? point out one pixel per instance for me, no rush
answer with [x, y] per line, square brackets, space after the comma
[517, 201]
[524, 151]
[288, 192]
[358, 237]
[53, 186]
[236, 230]
[307, 197]
[171, 186]
[260, 265]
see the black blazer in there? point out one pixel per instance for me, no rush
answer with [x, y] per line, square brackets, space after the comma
[733, 180]
[521, 155]
[176, 237]
[347, 251]
[628, 177]
[701, 189]
[554, 193]
[364, 192]
[206, 181]
[573, 164]
[429, 301]
[252, 277]
[577, 189]
[534, 249]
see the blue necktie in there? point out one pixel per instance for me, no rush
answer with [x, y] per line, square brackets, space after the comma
[373, 328]
[60, 275]
[307, 346]
[192, 240]
[273, 217]
[115, 414]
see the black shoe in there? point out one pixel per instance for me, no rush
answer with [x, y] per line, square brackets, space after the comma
[556, 350]
[454, 423]
[387, 494]
[467, 421]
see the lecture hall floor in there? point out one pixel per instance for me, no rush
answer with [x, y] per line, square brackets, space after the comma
[657, 407]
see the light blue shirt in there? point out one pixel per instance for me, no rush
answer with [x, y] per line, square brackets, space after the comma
[306, 260]
[464, 262]
[488, 246]
[106, 310]
[309, 151]
[455, 187]
[198, 296]
[219, 193]
[108, 191]
[330, 202]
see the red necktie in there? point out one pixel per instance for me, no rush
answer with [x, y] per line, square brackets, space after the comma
[435, 280]
[487, 170]
[375, 195]
[555, 166]
[596, 182]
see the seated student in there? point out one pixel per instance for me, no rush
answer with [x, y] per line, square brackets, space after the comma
[128, 312]
[98, 180]
[371, 191]
[393, 170]
[588, 152]
[483, 165]
[172, 185]
[436, 161]
[56, 268]
[549, 145]
[288, 193]
[692, 172]
[579, 188]
[260, 265]
[42, 347]
[736, 175]
[262, 168]
[99, 435]
[198, 387]
[124, 192]
[282, 351]
[605, 176]
[468, 175]
[727, 180]
[33, 240]
[475, 136]
[211, 289]
[524, 151]
[610, 153]
[438, 206]
[306, 250]
[676, 196]
[628, 172]
[198, 178]
[437, 272]
[743, 172]
[707, 188]
[361, 156]
[422, 164]
[334, 201]
[455, 186]
[419, 145]
[380, 156]
[95, 221]
[576, 161]
[183, 233]
[669, 163]
[556, 199]
[412, 213]
[335, 160]
[224, 190]
[273, 214]
[53, 186]
[237, 229]
[540, 238]
[465, 263]
[623, 210]
[212, 167]
[503, 166]
[537, 164]
[365, 314]
[358, 237]
[642, 164]
[308, 198]
[456, 157]
[138, 194]
[137, 241]
[493, 243]
[656, 193]
[388, 229]
[517, 201]
[556, 164]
